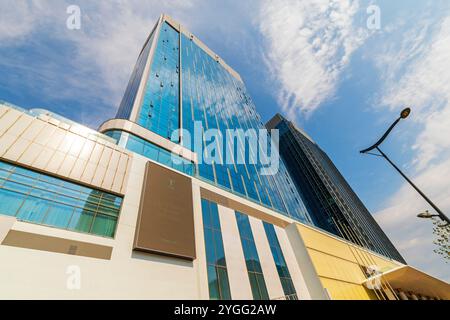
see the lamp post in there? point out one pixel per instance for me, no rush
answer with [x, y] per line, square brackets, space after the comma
[403, 115]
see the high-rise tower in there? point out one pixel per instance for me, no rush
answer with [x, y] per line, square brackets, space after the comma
[143, 213]
[332, 203]
[179, 83]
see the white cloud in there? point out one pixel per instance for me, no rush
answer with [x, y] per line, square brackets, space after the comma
[414, 73]
[309, 44]
[103, 53]
[17, 19]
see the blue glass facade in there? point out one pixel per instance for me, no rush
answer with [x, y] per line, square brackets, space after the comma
[219, 287]
[255, 274]
[280, 262]
[160, 111]
[38, 198]
[186, 85]
[332, 203]
[212, 96]
[153, 152]
[127, 102]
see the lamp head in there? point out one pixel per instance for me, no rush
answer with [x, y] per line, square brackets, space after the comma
[425, 215]
[405, 113]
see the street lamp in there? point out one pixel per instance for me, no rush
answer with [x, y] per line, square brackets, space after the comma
[403, 115]
[427, 215]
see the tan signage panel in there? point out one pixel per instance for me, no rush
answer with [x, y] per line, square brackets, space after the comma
[166, 216]
[41, 242]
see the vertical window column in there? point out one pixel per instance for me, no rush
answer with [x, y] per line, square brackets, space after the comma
[254, 270]
[280, 262]
[219, 288]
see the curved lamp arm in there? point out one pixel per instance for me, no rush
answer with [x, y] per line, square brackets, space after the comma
[403, 115]
[382, 138]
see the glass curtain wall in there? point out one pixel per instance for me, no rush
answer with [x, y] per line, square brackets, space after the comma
[280, 262]
[219, 288]
[186, 85]
[38, 198]
[254, 270]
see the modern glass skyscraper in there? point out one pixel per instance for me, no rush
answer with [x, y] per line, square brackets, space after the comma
[332, 203]
[138, 210]
[179, 83]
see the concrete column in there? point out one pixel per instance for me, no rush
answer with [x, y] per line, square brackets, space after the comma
[268, 266]
[200, 262]
[237, 270]
[293, 267]
[309, 273]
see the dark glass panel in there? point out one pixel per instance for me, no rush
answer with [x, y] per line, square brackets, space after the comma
[223, 283]
[213, 283]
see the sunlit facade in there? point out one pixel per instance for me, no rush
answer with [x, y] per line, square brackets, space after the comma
[131, 212]
[186, 83]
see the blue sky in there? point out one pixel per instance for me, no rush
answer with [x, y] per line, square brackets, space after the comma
[315, 61]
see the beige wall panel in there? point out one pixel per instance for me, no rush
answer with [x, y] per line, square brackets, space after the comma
[44, 158]
[268, 266]
[6, 141]
[234, 256]
[67, 165]
[126, 179]
[20, 125]
[30, 154]
[78, 169]
[118, 181]
[56, 139]
[106, 156]
[114, 161]
[123, 163]
[60, 151]
[67, 142]
[99, 174]
[65, 153]
[56, 161]
[96, 154]
[88, 173]
[17, 149]
[79, 130]
[33, 130]
[108, 179]
[87, 150]
[3, 110]
[77, 146]
[45, 135]
[64, 126]
[8, 120]
[53, 121]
